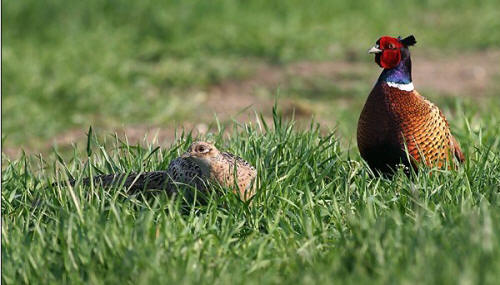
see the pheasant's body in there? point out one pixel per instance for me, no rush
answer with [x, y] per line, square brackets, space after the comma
[194, 168]
[397, 118]
[393, 120]
[223, 171]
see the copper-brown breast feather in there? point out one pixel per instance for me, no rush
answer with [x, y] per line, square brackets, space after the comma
[404, 118]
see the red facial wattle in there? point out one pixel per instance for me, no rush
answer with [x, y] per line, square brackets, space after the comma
[390, 58]
[391, 53]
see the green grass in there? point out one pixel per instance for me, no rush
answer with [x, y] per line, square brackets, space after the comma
[114, 64]
[319, 216]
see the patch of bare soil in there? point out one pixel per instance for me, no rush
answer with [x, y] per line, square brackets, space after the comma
[469, 74]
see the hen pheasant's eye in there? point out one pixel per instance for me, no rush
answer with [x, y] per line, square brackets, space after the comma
[202, 149]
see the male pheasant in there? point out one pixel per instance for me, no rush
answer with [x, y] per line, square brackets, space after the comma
[396, 118]
[202, 163]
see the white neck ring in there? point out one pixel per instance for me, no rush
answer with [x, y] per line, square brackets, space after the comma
[402, 86]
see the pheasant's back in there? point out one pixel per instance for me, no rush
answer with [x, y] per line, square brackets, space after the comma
[181, 171]
[404, 119]
[186, 171]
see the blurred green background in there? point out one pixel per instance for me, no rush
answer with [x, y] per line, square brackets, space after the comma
[139, 67]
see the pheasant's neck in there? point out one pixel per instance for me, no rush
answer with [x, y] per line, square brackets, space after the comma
[399, 76]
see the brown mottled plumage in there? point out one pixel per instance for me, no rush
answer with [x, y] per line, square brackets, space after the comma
[202, 163]
[220, 166]
[396, 118]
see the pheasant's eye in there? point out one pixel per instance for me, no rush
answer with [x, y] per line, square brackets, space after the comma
[391, 46]
[202, 149]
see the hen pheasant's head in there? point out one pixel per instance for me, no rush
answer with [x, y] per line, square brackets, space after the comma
[390, 51]
[201, 150]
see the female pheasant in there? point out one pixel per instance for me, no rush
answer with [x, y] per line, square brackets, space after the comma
[397, 118]
[202, 163]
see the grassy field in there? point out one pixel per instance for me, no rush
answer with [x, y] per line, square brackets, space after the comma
[142, 67]
[318, 217]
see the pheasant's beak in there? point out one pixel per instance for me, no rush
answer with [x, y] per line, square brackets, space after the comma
[374, 49]
[185, 155]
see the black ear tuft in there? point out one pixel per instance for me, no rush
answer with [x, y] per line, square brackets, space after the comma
[409, 41]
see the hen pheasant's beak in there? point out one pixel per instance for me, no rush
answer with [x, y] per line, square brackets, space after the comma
[185, 155]
[375, 49]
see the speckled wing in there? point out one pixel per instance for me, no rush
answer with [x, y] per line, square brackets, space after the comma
[185, 171]
[426, 132]
[181, 171]
[245, 174]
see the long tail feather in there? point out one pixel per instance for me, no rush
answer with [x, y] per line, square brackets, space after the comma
[158, 180]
